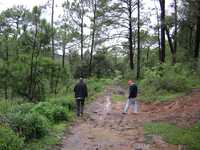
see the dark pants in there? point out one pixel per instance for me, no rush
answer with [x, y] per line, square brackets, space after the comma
[79, 106]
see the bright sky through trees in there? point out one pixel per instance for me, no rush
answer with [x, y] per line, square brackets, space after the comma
[146, 12]
[58, 10]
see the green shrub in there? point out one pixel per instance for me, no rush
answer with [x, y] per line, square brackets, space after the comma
[53, 112]
[60, 114]
[23, 108]
[102, 66]
[6, 106]
[95, 85]
[9, 140]
[29, 125]
[67, 102]
[165, 79]
[44, 108]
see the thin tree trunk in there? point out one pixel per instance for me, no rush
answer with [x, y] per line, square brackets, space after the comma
[6, 82]
[158, 29]
[32, 62]
[171, 46]
[93, 38]
[52, 46]
[162, 52]
[175, 32]
[138, 52]
[158, 32]
[52, 28]
[197, 39]
[191, 39]
[130, 35]
[17, 50]
[82, 23]
[63, 56]
[148, 50]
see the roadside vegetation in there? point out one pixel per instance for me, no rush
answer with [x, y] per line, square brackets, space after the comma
[189, 137]
[31, 126]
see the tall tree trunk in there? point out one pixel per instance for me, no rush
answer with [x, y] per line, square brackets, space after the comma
[130, 34]
[175, 31]
[158, 29]
[82, 25]
[31, 85]
[148, 50]
[162, 52]
[6, 82]
[52, 28]
[197, 38]
[52, 47]
[158, 34]
[191, 39]
[17, 27]
[138, 50]
[93, 38]
[63, 56]
[171, 45]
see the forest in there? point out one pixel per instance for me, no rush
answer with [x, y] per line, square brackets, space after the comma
[106, 42]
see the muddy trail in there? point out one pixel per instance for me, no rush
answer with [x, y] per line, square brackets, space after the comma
[104, 127]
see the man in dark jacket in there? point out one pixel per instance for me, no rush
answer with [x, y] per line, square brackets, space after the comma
[81, 93]
[131, 98]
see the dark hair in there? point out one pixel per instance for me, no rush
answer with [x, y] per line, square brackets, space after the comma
[81, 80]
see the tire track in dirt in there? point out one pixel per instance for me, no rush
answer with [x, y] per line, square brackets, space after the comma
[104, 127]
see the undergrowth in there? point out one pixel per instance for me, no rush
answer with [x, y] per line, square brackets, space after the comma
[175, 135]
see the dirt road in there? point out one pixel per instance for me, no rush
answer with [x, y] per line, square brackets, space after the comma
[104, 127]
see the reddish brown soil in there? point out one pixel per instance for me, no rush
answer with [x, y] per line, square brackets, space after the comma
[104, 127]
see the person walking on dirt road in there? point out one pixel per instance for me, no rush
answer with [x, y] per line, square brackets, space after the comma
[81, 93]
[131, 98]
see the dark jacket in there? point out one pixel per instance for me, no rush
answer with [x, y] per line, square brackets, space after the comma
[132, 91]
[80, 90]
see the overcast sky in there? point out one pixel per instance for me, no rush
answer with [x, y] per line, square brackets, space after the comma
[4, 4]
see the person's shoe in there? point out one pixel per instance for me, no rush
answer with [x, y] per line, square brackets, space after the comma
[135, 113]
[124, 113]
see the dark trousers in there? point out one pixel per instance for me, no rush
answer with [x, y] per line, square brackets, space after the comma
[79, 106]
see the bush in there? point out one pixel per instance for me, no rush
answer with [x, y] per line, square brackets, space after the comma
[30, 125]
[23, 108]
[102, 66]
[6, 106]
[9, 140]
[166, 78]
[61, 114]
[67, 102]
[95, 85]
[44, 108]
[82, 70]
[54, 113]
[166, 82]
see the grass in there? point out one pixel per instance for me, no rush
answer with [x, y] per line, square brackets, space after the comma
[49, 141]
[162, 97]
[118, 98]
[175, 135]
